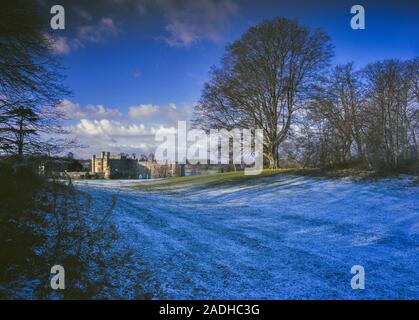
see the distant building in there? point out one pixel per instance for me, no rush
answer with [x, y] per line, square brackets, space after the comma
[154, 170]
[115, 167]
[129, 167]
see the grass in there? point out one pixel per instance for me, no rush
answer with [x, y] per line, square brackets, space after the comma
[215, 180]
[236, 178]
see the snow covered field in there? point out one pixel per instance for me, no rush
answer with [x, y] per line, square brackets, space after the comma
[285, 237]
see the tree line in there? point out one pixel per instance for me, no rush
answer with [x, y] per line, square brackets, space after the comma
[278, 77]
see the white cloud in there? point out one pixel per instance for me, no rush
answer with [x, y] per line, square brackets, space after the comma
[115, 136]
[143, 111]
[108, 128]
[71, 110]
[163, 130]
[115, 129]
[100, 111]
[168, 114]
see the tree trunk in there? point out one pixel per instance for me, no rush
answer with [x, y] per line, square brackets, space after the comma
[273, 157]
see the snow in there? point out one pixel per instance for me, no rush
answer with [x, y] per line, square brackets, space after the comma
[114, 184]
[285, 237]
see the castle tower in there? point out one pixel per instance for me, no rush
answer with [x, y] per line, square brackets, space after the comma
[93, 163]
[103, 161]
[106, 164]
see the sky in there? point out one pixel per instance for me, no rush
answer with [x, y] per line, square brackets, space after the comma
[136, 66]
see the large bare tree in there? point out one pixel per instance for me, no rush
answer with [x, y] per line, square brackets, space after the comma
[262, 79]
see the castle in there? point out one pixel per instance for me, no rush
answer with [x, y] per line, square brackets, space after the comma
[129, 167]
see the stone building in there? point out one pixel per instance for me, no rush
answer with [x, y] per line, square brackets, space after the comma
[129, 167]
[154, 170]
[115, 167]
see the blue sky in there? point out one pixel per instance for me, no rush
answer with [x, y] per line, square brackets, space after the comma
[136, 65]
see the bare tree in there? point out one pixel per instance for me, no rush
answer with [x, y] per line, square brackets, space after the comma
[263, 79]
[31, 84]
[336, 107]
[389, 110]
[371, 116]
[413, 105]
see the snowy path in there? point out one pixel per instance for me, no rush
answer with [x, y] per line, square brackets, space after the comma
[286, 237]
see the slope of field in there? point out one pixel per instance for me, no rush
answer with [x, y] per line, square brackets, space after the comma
[277, 237]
